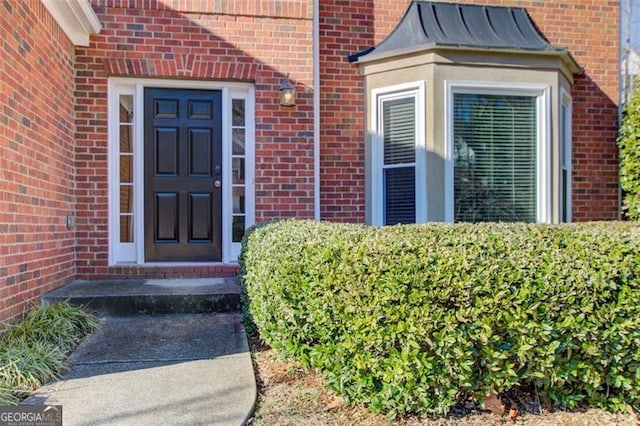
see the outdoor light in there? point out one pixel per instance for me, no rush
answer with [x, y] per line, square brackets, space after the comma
[287, 93]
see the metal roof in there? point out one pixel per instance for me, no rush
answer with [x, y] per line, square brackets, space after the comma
[429, 25]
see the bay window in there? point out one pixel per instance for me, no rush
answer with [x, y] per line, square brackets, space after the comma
[492, 142]
[494, 158]
[398, 155]
[499, 161]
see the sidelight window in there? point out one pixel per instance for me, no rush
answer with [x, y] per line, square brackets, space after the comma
[125, 160]
[238, 160]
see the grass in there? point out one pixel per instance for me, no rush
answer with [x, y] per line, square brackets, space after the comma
[33, 350]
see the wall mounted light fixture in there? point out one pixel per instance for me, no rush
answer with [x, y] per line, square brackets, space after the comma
[287, 93]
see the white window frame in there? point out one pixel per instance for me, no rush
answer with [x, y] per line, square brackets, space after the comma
[415, 90]
[566, 145]
[133, 253]
[542, 92]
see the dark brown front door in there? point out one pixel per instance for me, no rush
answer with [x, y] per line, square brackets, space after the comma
[183, 171]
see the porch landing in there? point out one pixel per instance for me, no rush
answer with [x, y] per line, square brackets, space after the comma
[151, 296]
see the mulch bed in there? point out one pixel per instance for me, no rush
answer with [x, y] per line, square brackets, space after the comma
[291, 395]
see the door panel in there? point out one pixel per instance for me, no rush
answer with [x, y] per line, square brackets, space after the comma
[166, 217]
[200, 109]
[199, 152]
[166, 151]
[200, 221]
[183, 159]
[165, 108]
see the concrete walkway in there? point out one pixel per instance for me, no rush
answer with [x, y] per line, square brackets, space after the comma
[175, 369]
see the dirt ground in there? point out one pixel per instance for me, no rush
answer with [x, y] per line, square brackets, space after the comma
[291, 395]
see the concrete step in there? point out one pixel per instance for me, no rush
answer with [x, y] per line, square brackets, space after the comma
[151, 296]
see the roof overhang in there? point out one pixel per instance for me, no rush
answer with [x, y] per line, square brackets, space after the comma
[433, 26]
[76, 18]
[564, 55]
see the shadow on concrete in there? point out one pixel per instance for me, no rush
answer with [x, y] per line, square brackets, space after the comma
[186, 369]
[150, 341]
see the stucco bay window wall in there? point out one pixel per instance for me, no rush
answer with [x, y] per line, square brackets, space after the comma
[468, 119]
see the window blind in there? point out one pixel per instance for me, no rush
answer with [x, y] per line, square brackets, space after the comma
[565, 162]
[494, 158]
[399, 133]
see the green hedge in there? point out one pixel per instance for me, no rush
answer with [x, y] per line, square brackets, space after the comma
[409, 319]
[629, 144]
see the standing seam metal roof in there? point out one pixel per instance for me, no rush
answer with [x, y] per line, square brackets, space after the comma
[428, 24]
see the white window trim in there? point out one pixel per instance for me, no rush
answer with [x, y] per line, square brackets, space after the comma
[566, 127]
[233, 249]
[128, 253]
[542, 92]
[415, 90]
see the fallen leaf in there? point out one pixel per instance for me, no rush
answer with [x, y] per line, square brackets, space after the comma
[493, 404]
[336, 402]
[513, 413]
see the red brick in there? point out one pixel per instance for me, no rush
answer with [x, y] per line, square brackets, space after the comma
[37, 167]
[590, 35]
[55, 159]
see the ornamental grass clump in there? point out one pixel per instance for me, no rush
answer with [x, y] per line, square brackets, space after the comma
[34, 349]
[409, 320]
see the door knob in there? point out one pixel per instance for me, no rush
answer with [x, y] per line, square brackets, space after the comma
[217, 183]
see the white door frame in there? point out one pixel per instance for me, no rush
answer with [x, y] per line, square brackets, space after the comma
[133, 253]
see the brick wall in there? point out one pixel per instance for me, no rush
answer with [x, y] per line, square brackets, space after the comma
[48, 171]
[258, 41]
[589, 28]
[36, 155]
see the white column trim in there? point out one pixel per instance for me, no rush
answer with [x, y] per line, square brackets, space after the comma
[316, 109]
[112, 155]
[226, 174]
[545, 193]
[566, 128]
[138, 187]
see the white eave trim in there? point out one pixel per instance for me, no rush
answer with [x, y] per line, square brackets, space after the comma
[76, 18]
[563, 54]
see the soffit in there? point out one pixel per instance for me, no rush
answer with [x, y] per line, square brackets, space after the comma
[76, 18]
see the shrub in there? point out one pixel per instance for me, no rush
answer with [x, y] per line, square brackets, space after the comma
[33, 350]
[409, 319]
[629, 144]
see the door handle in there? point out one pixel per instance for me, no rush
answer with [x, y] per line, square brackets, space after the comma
[217, 183]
